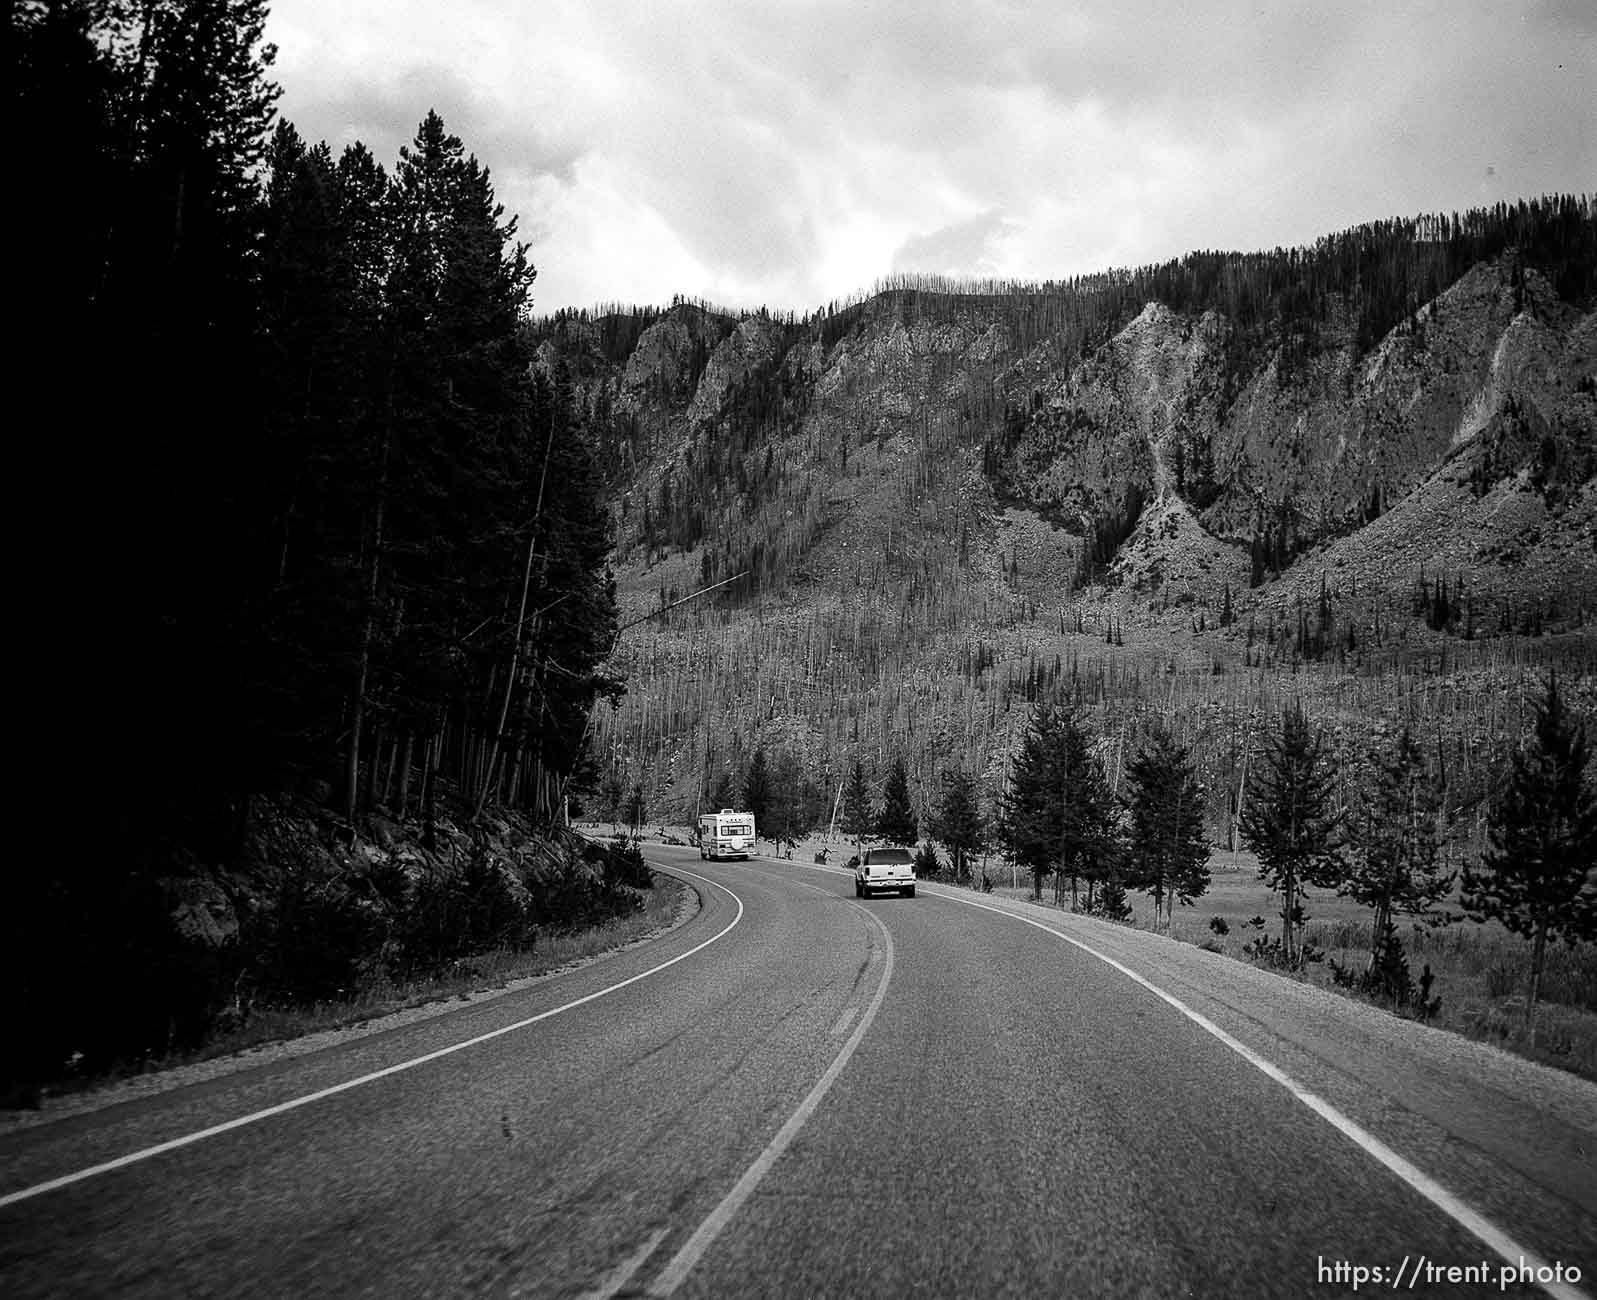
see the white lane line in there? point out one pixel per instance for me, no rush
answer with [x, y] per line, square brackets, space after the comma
[188, 1139]
[844, 1021]
[1461, 1213]
[622, 1273]
[675, 1272]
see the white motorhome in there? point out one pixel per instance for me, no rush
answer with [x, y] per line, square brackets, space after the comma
[726, 834]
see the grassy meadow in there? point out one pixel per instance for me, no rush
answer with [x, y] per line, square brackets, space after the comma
[1482, 972]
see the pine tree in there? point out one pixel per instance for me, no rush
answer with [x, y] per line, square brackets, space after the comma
[1168, 843]
[485, 511]
[724, 793]
[757, 792]
[319, 322]
[958, 821]
[857, 821]
[637, 809]
[896, 823]
[1537, 877]
[1291, 822]
[1058, 815]
[612, 792]
[147, 127]
[785, 812]
[1395, 865]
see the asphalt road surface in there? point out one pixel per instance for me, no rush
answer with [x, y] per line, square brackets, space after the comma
[796, 1093]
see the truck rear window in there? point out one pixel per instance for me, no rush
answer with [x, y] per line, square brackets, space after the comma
[887, 857]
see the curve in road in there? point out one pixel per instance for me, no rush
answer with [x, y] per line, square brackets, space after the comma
[798, 1094]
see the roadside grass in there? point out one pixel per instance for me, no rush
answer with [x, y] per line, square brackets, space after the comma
[1482, 972]
[382, 996]
[1482, 976]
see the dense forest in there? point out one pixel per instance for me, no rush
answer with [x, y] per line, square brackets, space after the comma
[326, 532]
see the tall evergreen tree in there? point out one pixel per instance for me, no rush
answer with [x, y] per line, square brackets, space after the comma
[1395, 866]
[146, 127]
[612, 791]
[1168, 844]
[1058, 814]
[570, 621]
[456, 475]
[724, 793]
[757, 792]
[857, 823]
[958, 821]
[785, 817]
[896, 823]
[176, 287]
[637, 808]
[321, 268]
[1538, 877]
[1291, 821]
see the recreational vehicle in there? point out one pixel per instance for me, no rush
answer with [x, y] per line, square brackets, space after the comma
[726, 834]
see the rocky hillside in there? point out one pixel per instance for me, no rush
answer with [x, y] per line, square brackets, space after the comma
[939, 504]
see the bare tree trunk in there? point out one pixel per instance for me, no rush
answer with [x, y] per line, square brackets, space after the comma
[1236, 817]
[404, 776]
[373, 767]
[1378, 934]
[352, 764]
[1537, 956]
[388, 775]
[429, 793]
[521, 618]
[514, 775]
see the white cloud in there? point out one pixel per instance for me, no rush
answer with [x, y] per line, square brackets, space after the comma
[790, 153]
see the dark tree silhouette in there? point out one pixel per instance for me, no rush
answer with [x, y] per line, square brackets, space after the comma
[1058, 814]
[958, 821]
[1537, 878]
[896, 823]
[1292, 823]
[1170, 851]
[1395, 865]
[757, 792]
[857, 821]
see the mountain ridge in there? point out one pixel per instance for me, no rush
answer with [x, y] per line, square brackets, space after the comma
[922, 474]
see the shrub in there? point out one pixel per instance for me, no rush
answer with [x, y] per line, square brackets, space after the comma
[1390, 980]
[1111, 902]
[317, 940]
[624, 865]
[1269, 952]
[494, 905]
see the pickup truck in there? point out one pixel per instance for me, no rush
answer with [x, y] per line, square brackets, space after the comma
[884, 869]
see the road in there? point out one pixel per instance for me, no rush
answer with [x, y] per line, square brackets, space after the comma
[799, 1094]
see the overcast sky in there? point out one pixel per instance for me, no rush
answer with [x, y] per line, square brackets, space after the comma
[784, 154]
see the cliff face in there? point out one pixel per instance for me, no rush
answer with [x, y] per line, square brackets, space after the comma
[758, 422]
[918, 476]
